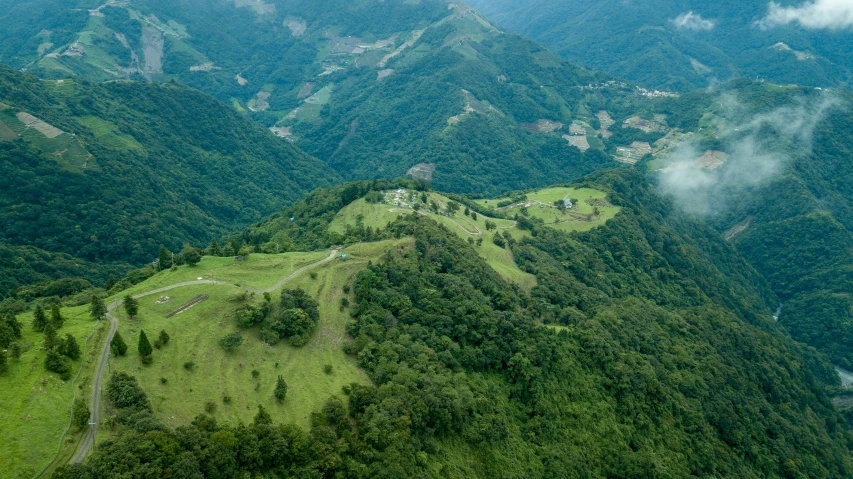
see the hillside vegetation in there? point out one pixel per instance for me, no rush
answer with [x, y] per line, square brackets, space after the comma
[681, 45]
[373, 88]
[107, 173]
[666, 364]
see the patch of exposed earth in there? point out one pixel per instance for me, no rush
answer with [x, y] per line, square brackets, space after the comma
[581, 142]
[258, 6]
[711, 160]
[260, 102]
[240, 80]
[738, 228]
[422, 171]
[632, 154]
[152, 49]
[49, 131]
[542, 126]
[281, 131]
[416, 35]
[305, 91]
[647, 126]
[297, 26]
[384, 73]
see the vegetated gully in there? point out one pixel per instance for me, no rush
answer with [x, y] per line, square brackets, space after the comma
[89, 439]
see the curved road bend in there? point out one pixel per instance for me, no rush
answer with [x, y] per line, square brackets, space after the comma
[95, 419]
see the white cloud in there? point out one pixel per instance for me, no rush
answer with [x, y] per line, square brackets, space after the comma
[693, 21]
[828, 14]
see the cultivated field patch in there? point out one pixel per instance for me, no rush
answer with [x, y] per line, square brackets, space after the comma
[49, 131]
[542, 126]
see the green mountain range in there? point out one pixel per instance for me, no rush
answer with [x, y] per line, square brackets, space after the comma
[410, 244]
[686, 44]
[109, 172]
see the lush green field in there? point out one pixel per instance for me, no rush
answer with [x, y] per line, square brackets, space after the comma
[378, 215]
[36, 404]
[582, 216]
[257, 271]
[196, 332]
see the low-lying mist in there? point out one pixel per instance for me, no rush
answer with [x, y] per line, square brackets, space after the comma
[758, 146]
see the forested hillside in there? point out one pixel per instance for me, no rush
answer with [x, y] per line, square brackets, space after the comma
[646, 349]
[108, 173]
[687, 44]
[779, 190]
[376, 89]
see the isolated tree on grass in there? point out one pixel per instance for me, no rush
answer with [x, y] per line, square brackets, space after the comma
[56, 318]
[49, 337]
[164, 337]
[231, 341]
[280, 389]
[70, 348]
[118, 346]
[191, 255]
[80, 414]
[144, 347]
[4, 366]
[15, 350]
[39, 318]
[131, 306]
[97, 308]
[262, 417]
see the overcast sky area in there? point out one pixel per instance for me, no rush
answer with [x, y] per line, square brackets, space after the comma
[818, 14]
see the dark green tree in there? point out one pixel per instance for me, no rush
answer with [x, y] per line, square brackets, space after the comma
[191, 255]
[80, 414]
[131, 306]
[164, 337]
[144, 347]
[15, 350]
[118, 346]
[14, 324]
[39, 318]
[56, 363]
[213, 249]
[164, 258]
[69, 347]
[97, 308]
[4, 366]
[280, 389]
[262, 417]
[49, 337]
[231, 341]
[56, 318]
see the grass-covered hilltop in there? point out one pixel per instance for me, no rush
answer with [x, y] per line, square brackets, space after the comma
[406, 332]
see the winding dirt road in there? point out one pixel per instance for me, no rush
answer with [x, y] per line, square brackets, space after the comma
[89, 439]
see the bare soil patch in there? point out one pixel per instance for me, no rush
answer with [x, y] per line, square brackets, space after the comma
[542, 126]
[45, 129]
[579, 141]
[422, 171]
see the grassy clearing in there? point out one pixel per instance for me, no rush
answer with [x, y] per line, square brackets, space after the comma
[36, 404]
[258, 271]
[582, 217]
[378, 215]
[195, 334]
[106, 133]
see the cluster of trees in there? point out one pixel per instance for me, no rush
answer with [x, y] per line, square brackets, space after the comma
[294, 319]
[666, 338]
[60, 351]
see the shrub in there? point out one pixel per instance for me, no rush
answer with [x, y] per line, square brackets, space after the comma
[280, 389]
[210, 407]
[327, 369]
[189, 365]
[231, 341]
[163, 380]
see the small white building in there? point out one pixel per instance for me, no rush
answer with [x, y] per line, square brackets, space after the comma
[568, 204]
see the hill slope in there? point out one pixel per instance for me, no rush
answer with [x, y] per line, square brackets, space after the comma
[684, 44]
[373, 88]
[646, 349]
[110, 172]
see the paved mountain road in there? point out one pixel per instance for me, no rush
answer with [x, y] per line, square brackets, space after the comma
[97, 382]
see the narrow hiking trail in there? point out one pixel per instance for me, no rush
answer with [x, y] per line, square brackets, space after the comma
[97, 381]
